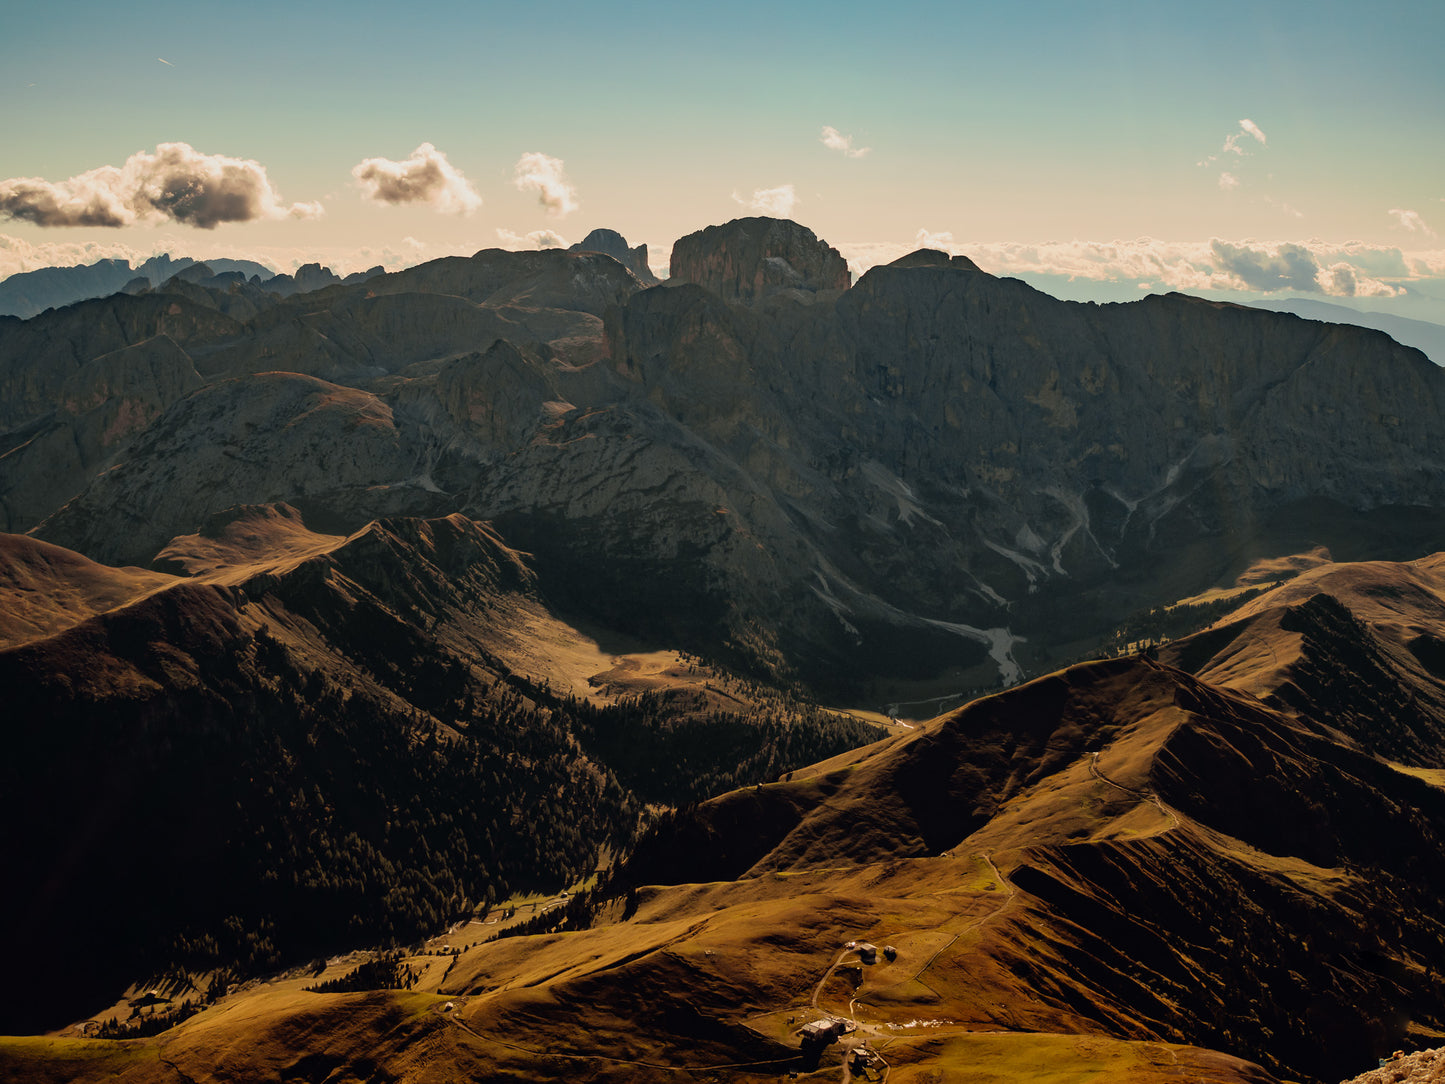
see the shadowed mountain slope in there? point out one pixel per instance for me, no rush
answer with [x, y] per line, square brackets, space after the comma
[1186, 867]
[1190, 862]
[933, 472]
[332, 702]
[311, 741]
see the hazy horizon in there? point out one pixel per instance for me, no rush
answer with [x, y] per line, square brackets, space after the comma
[1123, 147]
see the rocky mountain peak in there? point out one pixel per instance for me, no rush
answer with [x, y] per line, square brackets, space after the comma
[308, 277]
[932, 257]
[751, 258]
[611, 243]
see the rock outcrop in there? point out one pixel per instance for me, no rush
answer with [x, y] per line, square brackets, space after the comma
[611, 243]
[335, 452]
[751, 258]
[308, 277]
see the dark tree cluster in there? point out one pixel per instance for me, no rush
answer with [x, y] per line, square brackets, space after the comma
[1163, 623]
[386, 972]
[668, 748]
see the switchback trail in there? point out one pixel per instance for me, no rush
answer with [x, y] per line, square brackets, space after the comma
[1141, 795]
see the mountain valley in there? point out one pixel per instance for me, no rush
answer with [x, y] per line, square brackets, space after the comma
[334, 618]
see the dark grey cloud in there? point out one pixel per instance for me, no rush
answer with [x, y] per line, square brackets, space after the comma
[177, 183]
[1290, 267]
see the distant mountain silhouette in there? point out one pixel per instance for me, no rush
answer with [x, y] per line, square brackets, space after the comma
[30, 293]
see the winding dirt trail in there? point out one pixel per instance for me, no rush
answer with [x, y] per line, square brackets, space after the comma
[1141, 795]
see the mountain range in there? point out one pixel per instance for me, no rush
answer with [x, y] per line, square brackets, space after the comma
[29, 293]
[934, 471]
[333, 615]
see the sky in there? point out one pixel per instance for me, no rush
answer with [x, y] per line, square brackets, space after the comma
[1101, 149]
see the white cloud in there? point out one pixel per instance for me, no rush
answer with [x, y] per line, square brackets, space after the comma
[18, 254]
[1411, 221]
[774, 202]
[535, 239]
[176, 183]
[1228, 181]
[1247, 128]
[944, 241]
[835, 140]
[542, 174]
[426, 178]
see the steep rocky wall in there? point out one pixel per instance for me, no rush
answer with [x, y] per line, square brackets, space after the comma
[751, 258]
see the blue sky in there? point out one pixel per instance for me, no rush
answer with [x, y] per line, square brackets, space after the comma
[1043, 128]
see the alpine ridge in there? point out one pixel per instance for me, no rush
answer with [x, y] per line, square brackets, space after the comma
[933, 472]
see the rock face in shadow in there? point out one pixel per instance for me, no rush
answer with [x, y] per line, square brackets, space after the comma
[751, 258]
[336, 452]
[611, 243]
[933, 470]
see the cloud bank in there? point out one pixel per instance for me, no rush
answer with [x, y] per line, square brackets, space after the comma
[1352, 269]
[542, 174]
[835, 140]
[177, 183]
[1285, 267]
[426, 178]
[775, 202]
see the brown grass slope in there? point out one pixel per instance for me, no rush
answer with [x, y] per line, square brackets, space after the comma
[45, 589]
[1104, 873]
[1192, 862]
[315, 741]
[134, 707]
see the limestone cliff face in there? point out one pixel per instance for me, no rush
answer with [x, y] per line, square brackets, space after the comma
[954, 450]
[751, 258]
[611, 243]
[933, 468]
[103, 406]
[498, 397]
[335, 452]
[38, 356]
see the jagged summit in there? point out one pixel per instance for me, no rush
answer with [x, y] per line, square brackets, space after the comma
[29, 293]
[751, 258]
[932, 469]
[932, 257]
[611, 243]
